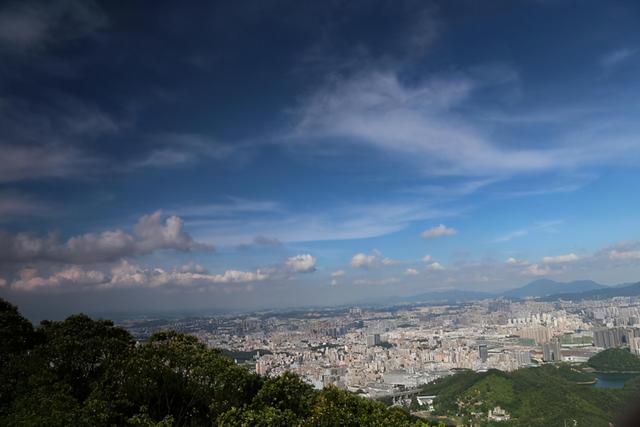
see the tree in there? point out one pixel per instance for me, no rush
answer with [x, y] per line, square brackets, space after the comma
[16, 332]
[17, 337]
[288, 392]
[333, 406]
[175, 374]
[79, 350]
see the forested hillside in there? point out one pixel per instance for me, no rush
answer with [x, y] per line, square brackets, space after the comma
[615, 360]
[543, 396]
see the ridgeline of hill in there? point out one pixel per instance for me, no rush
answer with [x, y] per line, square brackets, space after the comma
[615, 360]
[611, 292]
[546, 287]
[544, 396]
[542, 288]
[84, 372]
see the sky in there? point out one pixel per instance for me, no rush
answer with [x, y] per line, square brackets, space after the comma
[234, 156]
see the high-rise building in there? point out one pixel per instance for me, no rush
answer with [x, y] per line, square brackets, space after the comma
[483, 352]
[523, 357]
[373, 340]
[552, 351]
[614, 337]
[634, 346]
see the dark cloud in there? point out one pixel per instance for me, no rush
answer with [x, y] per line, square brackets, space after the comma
[266, 241]
[26, 25]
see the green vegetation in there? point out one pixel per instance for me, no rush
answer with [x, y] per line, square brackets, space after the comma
[84, 372]
[615, 360]
[575, 374]
[573, 340]
[542, 396]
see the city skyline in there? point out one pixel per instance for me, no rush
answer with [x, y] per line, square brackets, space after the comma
[283, 154]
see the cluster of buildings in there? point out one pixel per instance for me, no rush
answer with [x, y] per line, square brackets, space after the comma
[385, 351]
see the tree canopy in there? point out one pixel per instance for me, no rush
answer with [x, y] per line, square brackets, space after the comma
[86, 372]
[615, 360]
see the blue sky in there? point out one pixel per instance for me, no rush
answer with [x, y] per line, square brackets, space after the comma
[271, 154]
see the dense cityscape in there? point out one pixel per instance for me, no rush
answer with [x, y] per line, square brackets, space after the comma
[392, 351]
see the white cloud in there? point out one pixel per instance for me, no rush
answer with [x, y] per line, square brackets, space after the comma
[3, 282]
[411, 272]
[560, 259]
[362, 260]
[373, 260]
[69, 277]
[537, 270]
[151, 234]
[615, 255]
[438, 231]
[377, 109]
[427, 258]
[304, 263]
[126, 274]
[162, 278]
[335, 275]
[435, 266]
[517, 262]
[338, 273]
[192, 267]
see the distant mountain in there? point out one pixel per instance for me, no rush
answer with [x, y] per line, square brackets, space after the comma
[609, 292]
[542, 288]
[547, 287]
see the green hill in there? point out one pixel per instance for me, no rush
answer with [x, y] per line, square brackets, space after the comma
[542, 396]
[615, 360]
[84, 372]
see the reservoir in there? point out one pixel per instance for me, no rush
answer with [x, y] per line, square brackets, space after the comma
[612, 380]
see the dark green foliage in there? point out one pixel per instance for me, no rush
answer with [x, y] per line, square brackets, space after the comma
[84, 372]
[574, 373]
[16, 332]
[615, 360]
[16, 338]
[79, 350]
[286, 393]
[334, 407]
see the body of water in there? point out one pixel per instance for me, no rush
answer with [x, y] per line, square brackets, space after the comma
[604, 380]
